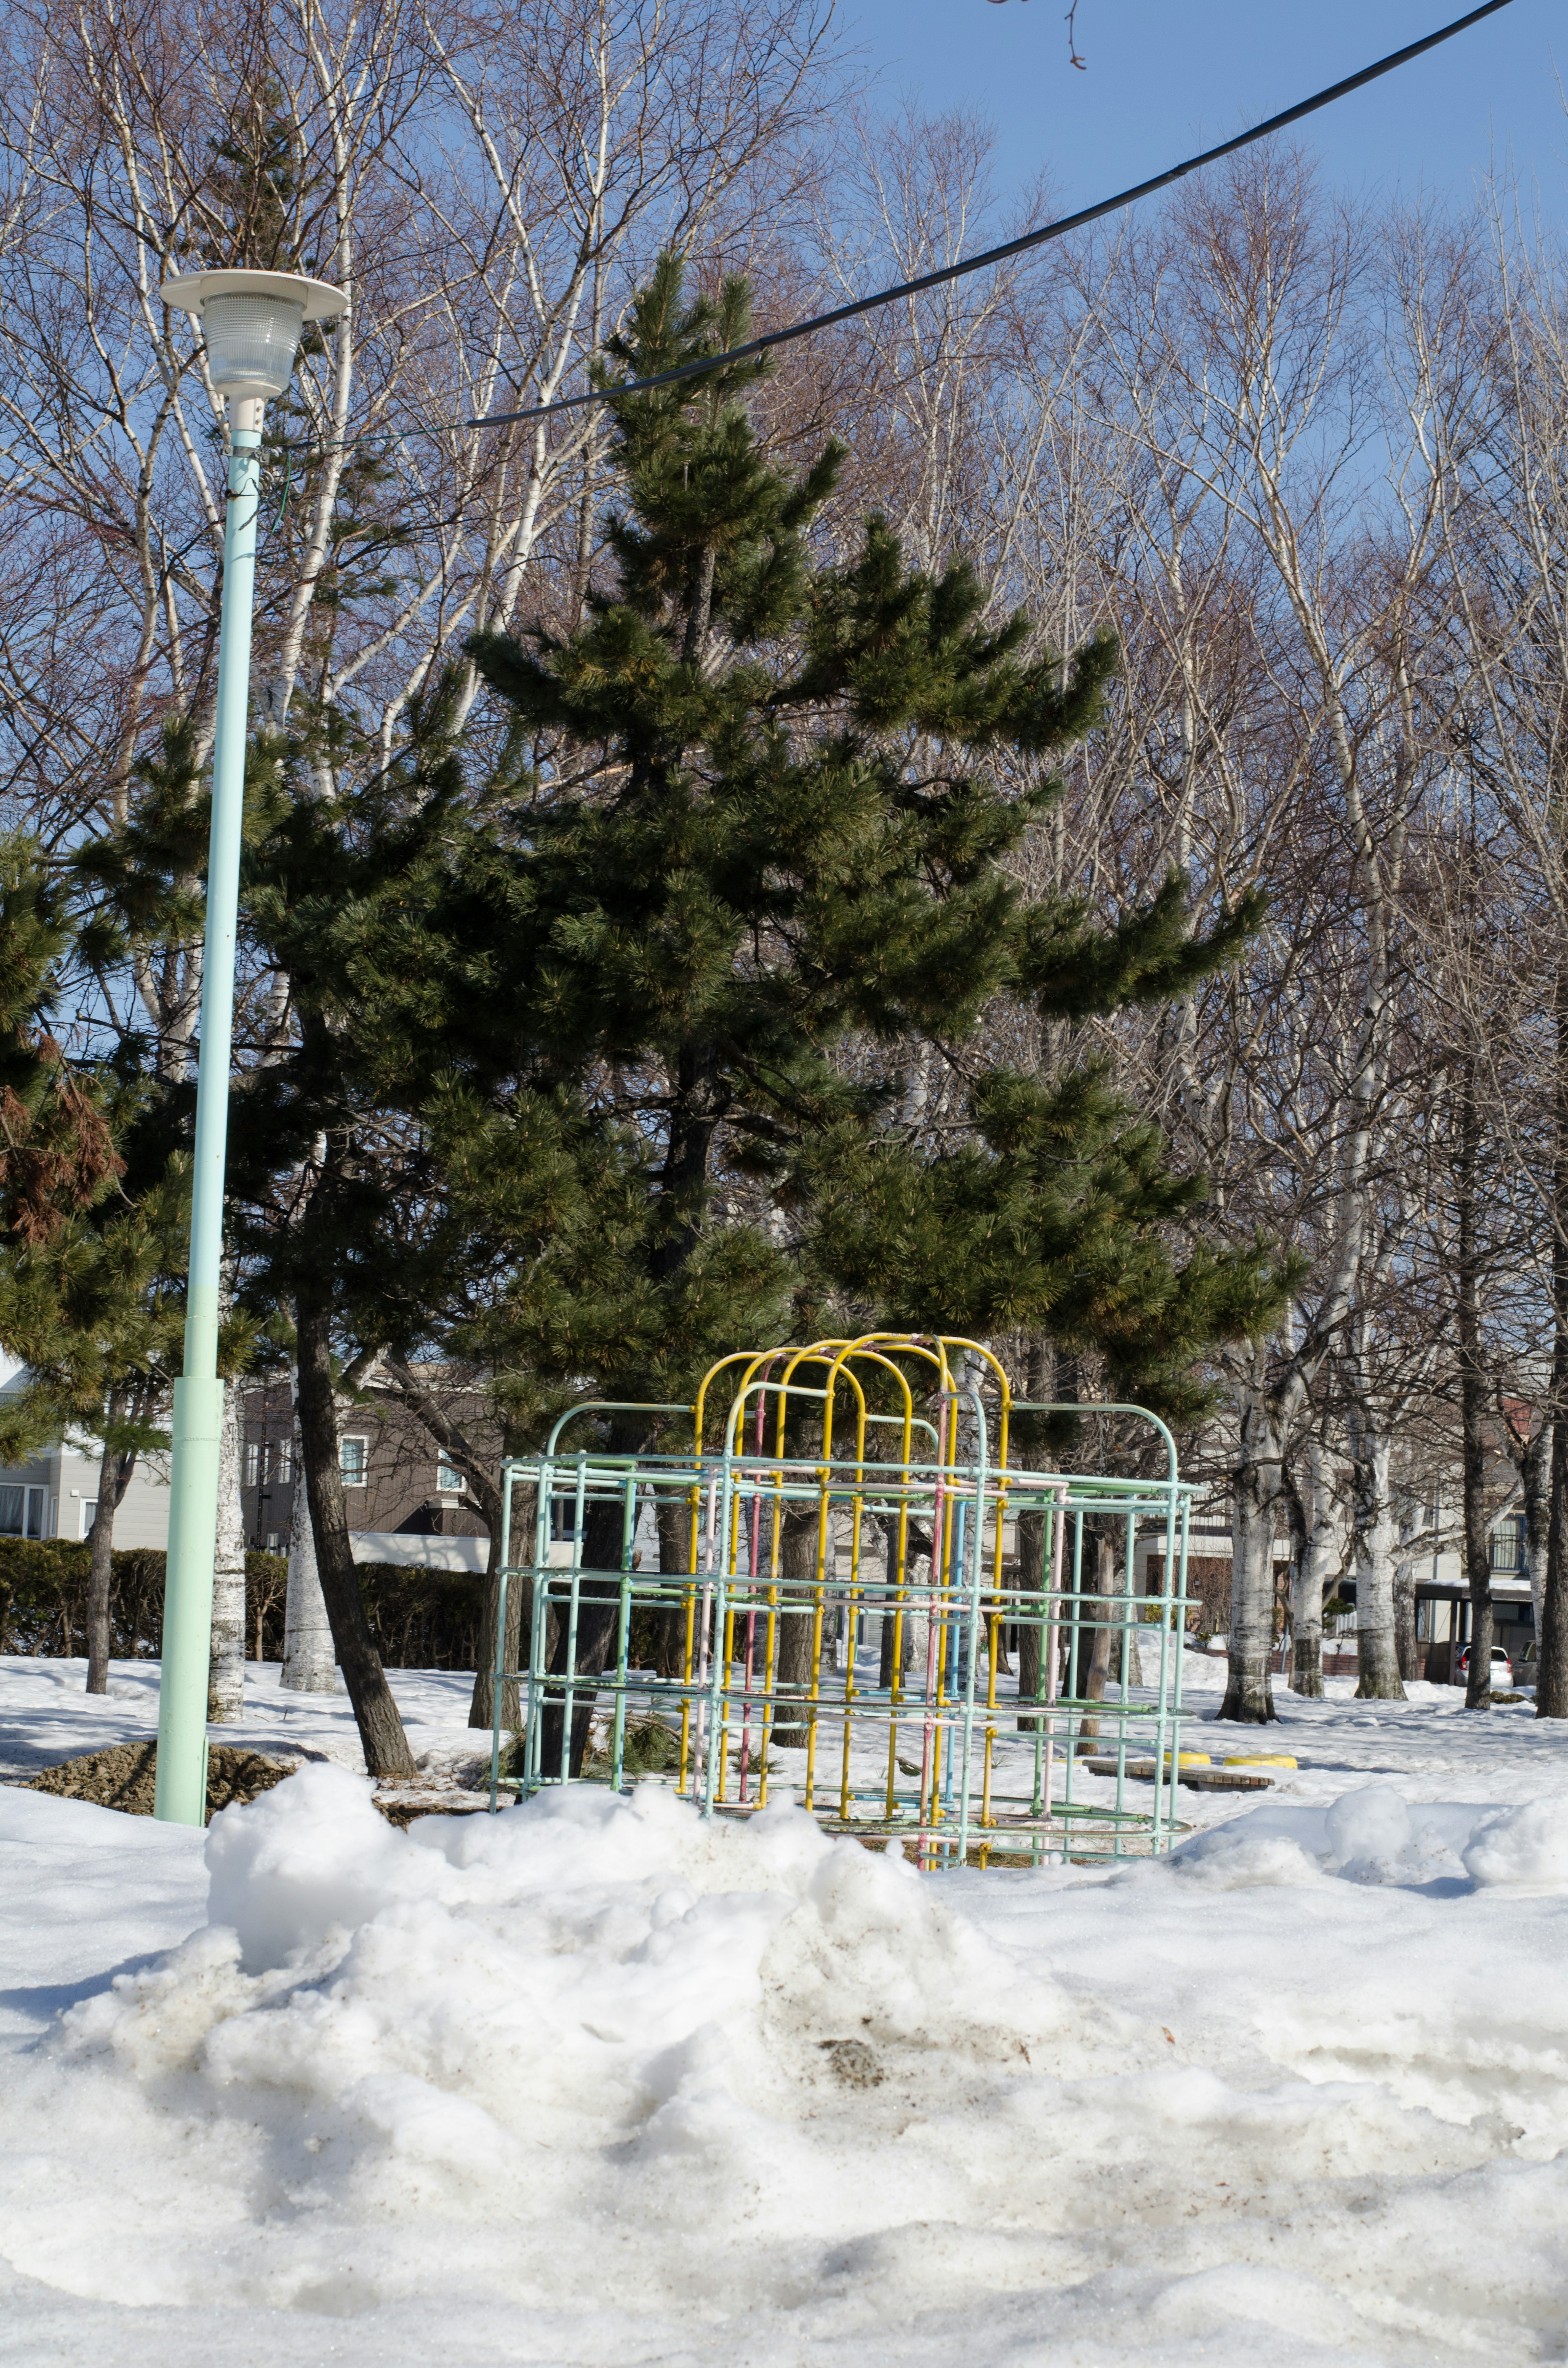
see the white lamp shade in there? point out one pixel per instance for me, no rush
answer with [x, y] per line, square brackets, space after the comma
[252, 322]
[251, 344]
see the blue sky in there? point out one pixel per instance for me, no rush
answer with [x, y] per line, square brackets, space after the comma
[1166, 76]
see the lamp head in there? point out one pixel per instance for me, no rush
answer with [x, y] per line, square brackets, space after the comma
[252, 322]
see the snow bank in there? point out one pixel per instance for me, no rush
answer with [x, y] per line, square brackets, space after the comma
[655, 2088]
[605, 2026]
[1375, 1836]
[1525, 1846]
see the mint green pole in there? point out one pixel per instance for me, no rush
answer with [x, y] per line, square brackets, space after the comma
[181, 1795]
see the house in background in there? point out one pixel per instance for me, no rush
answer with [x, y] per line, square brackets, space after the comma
[1208, 1551]
[55, 1495]
[1443, 1609]
[405, 1503]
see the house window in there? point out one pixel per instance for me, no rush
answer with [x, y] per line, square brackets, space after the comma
[89, 1514]
[21, 1513]
[271, 1460]
[352, 1454]
[449, 1479]
[1506, 1545]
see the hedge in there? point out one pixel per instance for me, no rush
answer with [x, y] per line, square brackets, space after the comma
[420, 1619]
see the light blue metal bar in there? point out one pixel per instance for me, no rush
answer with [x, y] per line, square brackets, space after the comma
[180, 1790]
[730, 1482]
[499, 1648]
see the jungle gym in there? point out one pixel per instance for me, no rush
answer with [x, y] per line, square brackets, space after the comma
[928, 1644]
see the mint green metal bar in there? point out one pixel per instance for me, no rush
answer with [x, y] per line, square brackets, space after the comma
[181, 1793]
[498, 1692]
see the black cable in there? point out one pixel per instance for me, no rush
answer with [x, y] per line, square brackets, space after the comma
[993, 254]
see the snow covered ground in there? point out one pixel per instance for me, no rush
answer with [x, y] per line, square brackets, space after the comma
[593, 2083]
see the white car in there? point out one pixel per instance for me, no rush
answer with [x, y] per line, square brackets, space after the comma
[1502, 1667]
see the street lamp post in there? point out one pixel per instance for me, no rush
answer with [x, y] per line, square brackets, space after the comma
[252, 322]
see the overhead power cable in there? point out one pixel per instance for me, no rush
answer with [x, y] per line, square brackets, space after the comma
[1011, 246]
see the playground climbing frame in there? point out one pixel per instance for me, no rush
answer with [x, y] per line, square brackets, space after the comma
[877, 1608]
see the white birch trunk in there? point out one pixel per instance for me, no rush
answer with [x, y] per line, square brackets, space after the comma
[1123, 1608]
[310, 1662]
[1322, 1561]
[1534, 1475]
[226, 1680]
[1254, 1491]
[1376, 1539]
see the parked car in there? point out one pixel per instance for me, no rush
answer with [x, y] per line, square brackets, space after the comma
[1502, 1667]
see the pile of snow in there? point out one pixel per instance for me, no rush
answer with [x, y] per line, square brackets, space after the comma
[639, 2044]
[598, 2079]
[1376, 1836]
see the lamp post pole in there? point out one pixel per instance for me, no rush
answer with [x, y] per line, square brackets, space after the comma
[181, 1790]
[253, 322]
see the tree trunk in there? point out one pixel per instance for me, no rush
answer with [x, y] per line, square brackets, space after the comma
[1472, 1400]
[886, 1674]
[1031, 1580]
[1552, 1659]
[599, 1611]
[1478, 1570]
[1376, 1656]
[484, 1495]
[1254, 1488]
[673, 1523]
[1406, 1650]
[226, 1678]
[114, 1478]
[518, 1640]
[310, 1661]
[1096, 1636]
[100, 1573]
[794, 1667]
[1535, 1478]
[1321, 1560]
[379, 1723]
[1301, 1550]
[1552, 1656]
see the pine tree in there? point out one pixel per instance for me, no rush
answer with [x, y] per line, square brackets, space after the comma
[116, 1279]
[93, 1253]
[595, 1069]
[761, 810]
[367, 1197]
[57, 1151]
[764, 823]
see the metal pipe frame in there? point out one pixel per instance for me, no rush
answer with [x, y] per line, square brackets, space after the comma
[984, 1791]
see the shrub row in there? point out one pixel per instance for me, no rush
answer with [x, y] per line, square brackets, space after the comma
[420, 1619]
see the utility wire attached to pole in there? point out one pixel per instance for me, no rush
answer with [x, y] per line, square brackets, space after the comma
[992, 254]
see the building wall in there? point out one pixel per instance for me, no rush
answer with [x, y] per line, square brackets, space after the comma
[59, 1491]
[392, 1476]
[53, 1495]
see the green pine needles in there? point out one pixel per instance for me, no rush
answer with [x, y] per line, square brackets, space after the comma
[762, 802]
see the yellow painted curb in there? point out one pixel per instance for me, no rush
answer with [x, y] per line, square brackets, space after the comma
[1262, 1759]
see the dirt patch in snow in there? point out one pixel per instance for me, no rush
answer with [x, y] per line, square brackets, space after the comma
[401, 1802]
[124, 1777]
